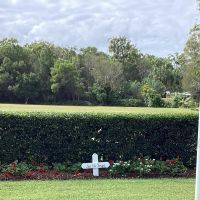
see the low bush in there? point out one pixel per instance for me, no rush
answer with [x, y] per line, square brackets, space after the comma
[61, 137]
[168, 103]
[180, 100]
[145, 166]
[129, 102]
[16, 168]
[68, 167]
[151, 97]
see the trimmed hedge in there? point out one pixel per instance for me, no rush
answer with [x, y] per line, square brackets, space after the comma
[59, 137]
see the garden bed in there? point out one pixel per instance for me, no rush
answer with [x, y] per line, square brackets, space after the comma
[137, 168]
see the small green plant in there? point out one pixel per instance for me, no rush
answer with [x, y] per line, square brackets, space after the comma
[74, 167]
[174, 167]
[60, 166]
[158, 167]
[17, 168]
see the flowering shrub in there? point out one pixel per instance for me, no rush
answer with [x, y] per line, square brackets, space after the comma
[120, 168]
[174, 167]
[144, 166]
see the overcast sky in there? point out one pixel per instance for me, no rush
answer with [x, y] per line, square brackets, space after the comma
[158, 27]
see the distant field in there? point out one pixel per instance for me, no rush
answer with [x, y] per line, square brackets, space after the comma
[138, 189]
[94, 109]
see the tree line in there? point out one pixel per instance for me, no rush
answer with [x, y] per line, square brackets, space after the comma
[42, 72]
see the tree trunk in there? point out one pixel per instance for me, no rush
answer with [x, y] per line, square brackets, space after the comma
[26, 100]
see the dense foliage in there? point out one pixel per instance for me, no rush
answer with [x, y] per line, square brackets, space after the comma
[60, 137]
[42, 72]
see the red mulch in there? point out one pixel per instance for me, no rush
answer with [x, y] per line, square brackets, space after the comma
[87, 174]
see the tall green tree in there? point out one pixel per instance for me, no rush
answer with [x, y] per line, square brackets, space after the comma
[65, 81]
[108, 76]
[108, 73]
[42, 60]
[14, 61]
[27, 87]
[126, 53]
[87, 59]
[191, 68]
[120, 48]
[162, 70]
[94, 67]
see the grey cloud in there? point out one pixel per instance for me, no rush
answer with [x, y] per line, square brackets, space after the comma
[157, 27]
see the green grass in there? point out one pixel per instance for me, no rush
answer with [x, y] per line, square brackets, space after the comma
[94, 109]
[144, 189]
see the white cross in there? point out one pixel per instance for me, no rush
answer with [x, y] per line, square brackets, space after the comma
[95, 165]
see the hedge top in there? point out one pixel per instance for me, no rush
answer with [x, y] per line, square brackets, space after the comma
[19, 108]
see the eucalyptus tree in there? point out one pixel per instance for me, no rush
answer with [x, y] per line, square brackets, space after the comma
[191, 68]
[126, 53]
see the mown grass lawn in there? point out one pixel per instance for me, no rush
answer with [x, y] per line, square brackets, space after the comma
[94, 109]
[138, 189]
